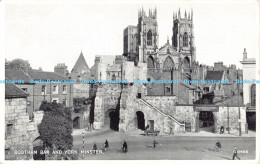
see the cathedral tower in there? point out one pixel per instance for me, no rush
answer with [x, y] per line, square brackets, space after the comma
[148, 37]
[183, 35]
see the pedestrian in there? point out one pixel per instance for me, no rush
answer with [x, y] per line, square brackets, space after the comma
[106, 145]
[147, 127]
[235, 153]
[124, 147]
[154, 143]
[95, 148]
[218, 145]
[222, 130]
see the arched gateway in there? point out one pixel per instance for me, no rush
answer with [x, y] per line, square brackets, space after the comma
[112, 119]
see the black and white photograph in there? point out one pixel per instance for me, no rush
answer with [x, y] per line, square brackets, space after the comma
[129, 80]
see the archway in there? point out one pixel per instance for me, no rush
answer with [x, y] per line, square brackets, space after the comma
[38, 146]
[112, 119]
[186, 63]
[76, 123]
[150, 62]
[206, 121]
[140, 120]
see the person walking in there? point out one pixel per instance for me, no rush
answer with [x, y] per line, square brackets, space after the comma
[235, 153]
[154, 143]
[95, 148]
[106, 145]
[218, 146]
[222, 130]
[124, 147]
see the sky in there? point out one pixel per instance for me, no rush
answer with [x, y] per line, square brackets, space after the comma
[49, 32]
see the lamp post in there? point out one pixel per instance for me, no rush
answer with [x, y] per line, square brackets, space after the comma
[228, 119]
[239, 117]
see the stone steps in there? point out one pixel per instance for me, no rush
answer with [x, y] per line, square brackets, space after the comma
[165, 115]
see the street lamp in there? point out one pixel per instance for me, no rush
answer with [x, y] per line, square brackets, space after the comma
[228, 120]
[239, 117]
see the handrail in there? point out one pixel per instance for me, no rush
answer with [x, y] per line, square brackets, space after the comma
[166, 115]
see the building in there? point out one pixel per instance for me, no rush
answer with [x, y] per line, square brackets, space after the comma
[167, 107]
[249, 89]
[42, 86]
[20, 133]
[61, 69]
[81, 73]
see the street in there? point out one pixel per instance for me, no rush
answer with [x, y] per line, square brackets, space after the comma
[169, 147]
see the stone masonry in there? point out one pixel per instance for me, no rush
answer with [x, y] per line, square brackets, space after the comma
[20, 132]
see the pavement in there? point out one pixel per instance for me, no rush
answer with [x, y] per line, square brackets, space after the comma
[140, 132]
[181, 146]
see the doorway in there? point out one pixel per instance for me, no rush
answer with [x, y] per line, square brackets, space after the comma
[206, 121]
[151, 125]
[38, 146]
[76, 123]
[112, 119]
[140, 120]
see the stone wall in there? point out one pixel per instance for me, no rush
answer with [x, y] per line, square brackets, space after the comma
[164, 103]
[226, 114]
[129, 105]
[20, 132]
[231, 115]
[107, 98]
[186, 114]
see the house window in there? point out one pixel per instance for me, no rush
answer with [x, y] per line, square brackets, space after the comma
[253, 95]
[64, 89]
[24, 89]
[55, 89]
[44, 90]
[185, 40]
[64, 102]
[206, 89]
[9, 129]
[56, 100]
[149, 38]
[113, 78]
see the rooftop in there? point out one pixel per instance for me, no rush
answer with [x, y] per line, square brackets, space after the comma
[15, 74]
[12, 91]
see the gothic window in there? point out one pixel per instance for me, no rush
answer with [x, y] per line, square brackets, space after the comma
[168, 64]
[186, 62]
[253, 95]
[149, 38]
[185, 39]
[150, 62]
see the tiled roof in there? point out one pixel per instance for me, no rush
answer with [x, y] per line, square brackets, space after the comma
[12, 91]
[80, 65]
[38, 75]
[214, 75]
[15, 74]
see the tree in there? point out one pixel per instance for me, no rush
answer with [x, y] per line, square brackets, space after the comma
[56, 127]
[18, 64]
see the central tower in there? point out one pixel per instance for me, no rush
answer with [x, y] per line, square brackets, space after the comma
[148, 37]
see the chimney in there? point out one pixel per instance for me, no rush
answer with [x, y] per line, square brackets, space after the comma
[244, 54]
